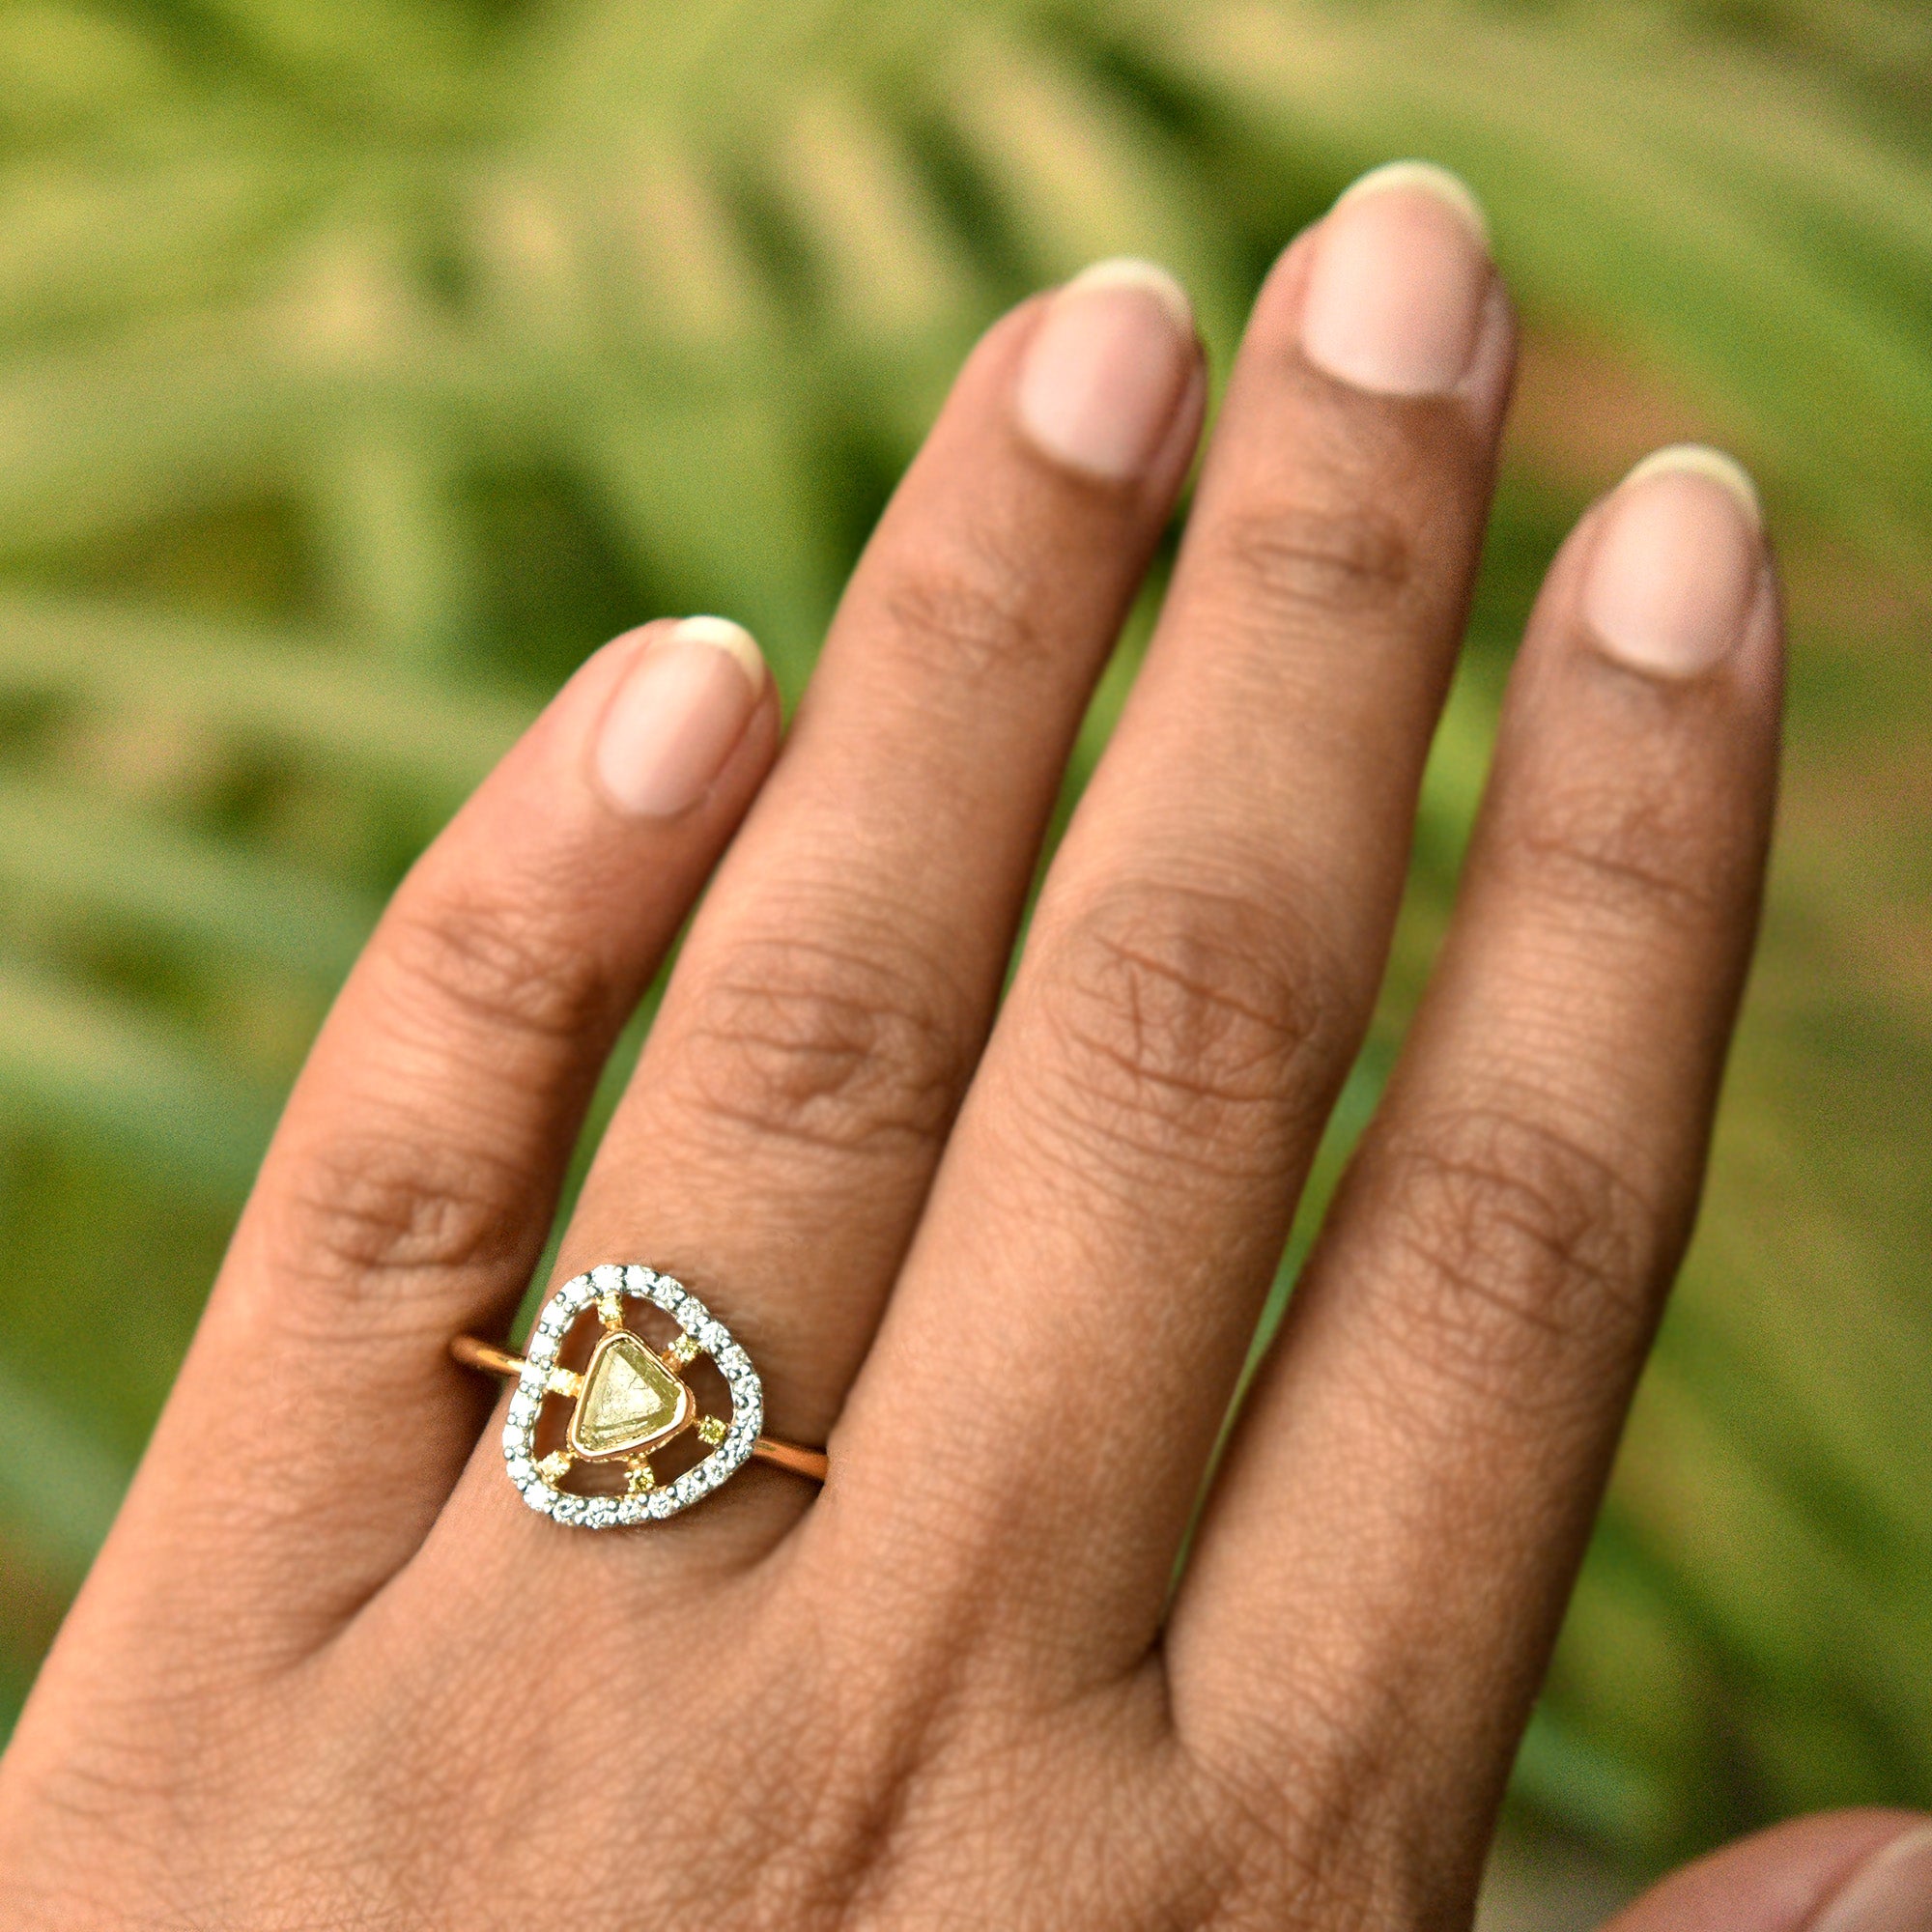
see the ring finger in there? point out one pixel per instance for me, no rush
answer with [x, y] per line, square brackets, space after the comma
[776, 1142]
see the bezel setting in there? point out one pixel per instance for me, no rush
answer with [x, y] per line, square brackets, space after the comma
[636, 1283]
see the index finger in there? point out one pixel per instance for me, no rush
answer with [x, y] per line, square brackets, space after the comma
[1401, 1517]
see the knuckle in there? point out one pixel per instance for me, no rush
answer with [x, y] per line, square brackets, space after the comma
[1179, 1026]
[829, 1044]
[1609, 844]
[969, 611]
[1295, 562]
[1515, 1249]
[492, 960]
[361, 1205]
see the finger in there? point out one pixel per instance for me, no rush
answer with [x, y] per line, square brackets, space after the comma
[1399, 1522]
[1203, 960]
[828, 1007]
[1844, 1871]
[411, 1183]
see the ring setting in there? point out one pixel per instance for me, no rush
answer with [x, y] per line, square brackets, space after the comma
[602, 1425]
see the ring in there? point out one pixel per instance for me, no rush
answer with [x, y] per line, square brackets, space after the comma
[601, 1425]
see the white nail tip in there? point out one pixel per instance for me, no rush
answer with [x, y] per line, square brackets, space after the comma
[1424, 177]
[1697, 459]
[1129, 271]
[723, 635]
[1887, 1892]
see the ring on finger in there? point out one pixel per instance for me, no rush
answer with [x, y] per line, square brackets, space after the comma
[580, 1443]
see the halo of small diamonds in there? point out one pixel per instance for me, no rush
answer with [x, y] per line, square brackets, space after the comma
[553, 1320]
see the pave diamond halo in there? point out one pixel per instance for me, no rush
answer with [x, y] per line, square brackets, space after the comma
[628, 1400]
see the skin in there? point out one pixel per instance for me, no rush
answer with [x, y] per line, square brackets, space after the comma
[1009, 1270]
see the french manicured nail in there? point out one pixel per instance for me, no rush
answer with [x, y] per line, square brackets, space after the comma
[1674, 572]
[1400, 279]
[1107, 369]
[1892, 1892]
[677, 716]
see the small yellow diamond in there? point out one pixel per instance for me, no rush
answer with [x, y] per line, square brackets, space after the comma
[684, 1349]
[611, 1311]
[565, 1381]
[712, 1428]
[638, 1481]
[554, 1466]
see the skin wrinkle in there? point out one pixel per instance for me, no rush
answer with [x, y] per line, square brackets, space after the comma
[835, 1047]
[1510, 1220]
[957, 1686]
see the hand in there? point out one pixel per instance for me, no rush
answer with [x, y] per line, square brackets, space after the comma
[330, 1672]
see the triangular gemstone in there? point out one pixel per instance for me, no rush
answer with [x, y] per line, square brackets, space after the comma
[629, 1399]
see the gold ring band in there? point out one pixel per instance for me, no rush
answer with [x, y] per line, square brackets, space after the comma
[810, 1464]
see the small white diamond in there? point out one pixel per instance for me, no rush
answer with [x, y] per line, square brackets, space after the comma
[600, 1514]
[568, 1508]
[607, 1278]
[638, 1279]
[538, 1497]
[633, 1509]
[523, 1406]
[692, 1315]
[522, 1471]
[515, 1438]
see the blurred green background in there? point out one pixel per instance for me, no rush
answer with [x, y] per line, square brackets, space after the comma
[364, 363]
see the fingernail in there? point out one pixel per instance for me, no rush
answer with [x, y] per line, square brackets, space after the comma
[1400, 278]
[1674, 571]
[1107, 368]
[1892, 1892]
[677, 716]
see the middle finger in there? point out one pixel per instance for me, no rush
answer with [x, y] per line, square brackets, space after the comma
[1205, 957]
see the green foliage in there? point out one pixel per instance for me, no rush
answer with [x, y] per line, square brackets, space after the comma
[363, 365]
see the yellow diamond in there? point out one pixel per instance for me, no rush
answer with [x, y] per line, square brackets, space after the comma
[629, 1399]
[712, 1428]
